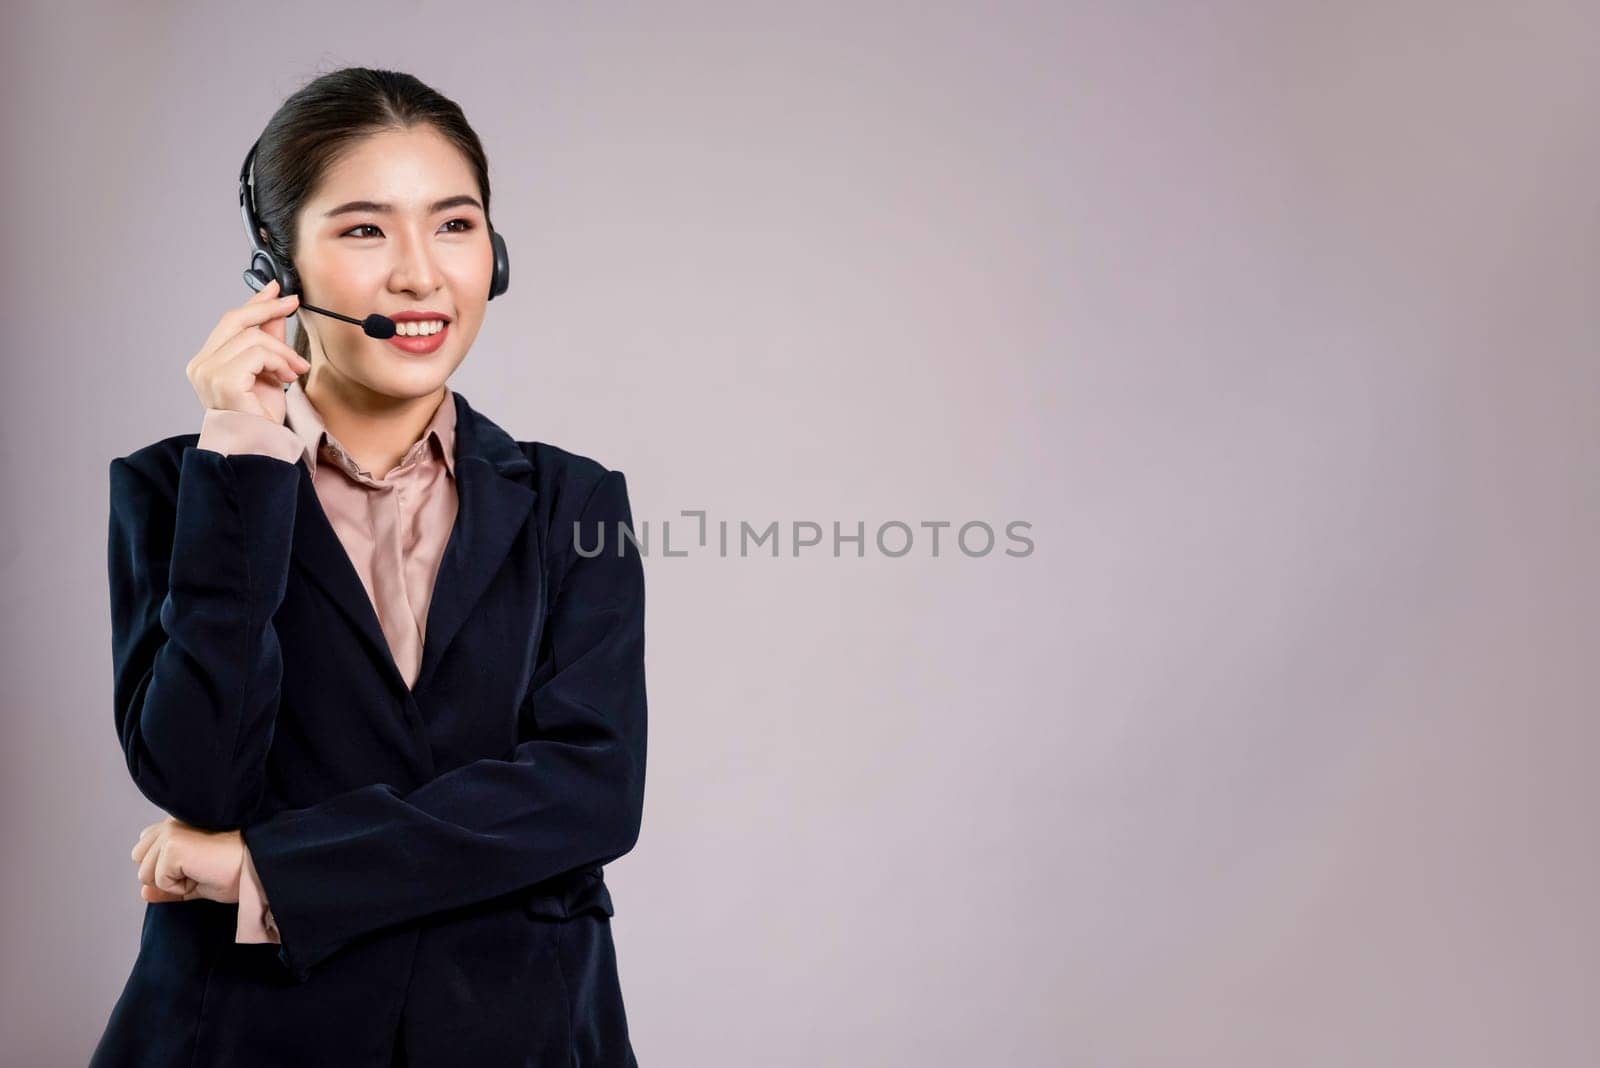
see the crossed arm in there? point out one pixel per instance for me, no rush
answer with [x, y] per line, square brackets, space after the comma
[195, 582]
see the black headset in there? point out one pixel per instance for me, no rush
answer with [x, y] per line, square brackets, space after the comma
[264, 266]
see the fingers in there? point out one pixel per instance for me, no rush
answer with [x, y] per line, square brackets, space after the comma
[151, 894]
[230, 330]
[259, 309]
[276, 344]
[170, 877]
[262, 358]
[253, 351]
[146, 836]
[161, 877]
[147, 863]
[254, 336]
[254, 313]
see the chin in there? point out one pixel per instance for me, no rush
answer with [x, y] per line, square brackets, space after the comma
[418, 382]
[409, 382]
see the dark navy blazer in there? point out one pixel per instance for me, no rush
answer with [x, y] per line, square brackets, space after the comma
[432, 854]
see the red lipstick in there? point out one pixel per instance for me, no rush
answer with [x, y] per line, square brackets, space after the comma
[419, 346]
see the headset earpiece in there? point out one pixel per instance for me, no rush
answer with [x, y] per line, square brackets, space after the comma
[502, 265]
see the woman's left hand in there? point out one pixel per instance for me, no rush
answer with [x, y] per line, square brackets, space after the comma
[179, 862]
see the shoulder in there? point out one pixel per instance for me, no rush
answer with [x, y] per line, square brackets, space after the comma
[569, 481]
[575, 492]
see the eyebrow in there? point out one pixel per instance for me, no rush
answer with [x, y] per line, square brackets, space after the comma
[385, 209]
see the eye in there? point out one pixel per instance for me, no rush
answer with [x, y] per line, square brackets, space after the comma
[466, 224]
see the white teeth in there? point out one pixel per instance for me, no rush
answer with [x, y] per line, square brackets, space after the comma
[419, 328]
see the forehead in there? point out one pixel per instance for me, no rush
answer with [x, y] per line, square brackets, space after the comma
[408, 168]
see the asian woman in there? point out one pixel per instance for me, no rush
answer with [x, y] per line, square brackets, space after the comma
[380, 663]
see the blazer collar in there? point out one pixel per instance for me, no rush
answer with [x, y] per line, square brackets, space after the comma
[494, 483]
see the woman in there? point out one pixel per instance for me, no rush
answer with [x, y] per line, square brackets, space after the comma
[397, 720]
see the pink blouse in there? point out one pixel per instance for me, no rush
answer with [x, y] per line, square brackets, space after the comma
[394, 529]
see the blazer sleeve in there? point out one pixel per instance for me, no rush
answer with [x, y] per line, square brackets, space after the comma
[196, 575]
[571, 794]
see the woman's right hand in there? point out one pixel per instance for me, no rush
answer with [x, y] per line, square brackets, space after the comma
[244, 364]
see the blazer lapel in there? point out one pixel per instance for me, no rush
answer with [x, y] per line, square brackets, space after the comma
[495, 493]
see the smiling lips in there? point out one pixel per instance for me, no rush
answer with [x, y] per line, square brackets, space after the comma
[419, 337]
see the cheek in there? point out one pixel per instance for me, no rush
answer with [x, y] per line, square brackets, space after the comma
[331, 277]
[465, 332]
[472, 274]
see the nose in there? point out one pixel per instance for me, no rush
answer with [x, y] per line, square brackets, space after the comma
[414, 269]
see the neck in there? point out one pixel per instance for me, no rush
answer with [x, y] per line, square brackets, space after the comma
[374, 428]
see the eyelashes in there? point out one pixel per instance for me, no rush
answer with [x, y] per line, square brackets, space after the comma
[466, 224]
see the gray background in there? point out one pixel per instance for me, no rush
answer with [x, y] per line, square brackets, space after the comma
[1277, 322]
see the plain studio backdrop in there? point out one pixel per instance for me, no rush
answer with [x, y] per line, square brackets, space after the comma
[1277, 322]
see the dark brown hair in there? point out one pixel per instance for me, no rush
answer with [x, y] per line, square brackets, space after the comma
[312, 128]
